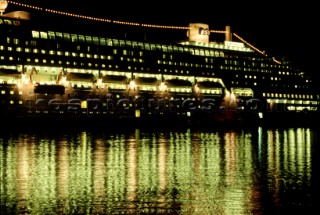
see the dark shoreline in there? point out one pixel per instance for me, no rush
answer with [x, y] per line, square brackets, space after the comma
[235, 120]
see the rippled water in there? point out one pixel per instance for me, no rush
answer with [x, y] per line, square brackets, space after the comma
[186, 171]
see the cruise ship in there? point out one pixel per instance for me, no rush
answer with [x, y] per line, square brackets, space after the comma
[60, 72]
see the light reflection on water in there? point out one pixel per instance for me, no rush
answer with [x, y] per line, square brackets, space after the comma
[244, 171]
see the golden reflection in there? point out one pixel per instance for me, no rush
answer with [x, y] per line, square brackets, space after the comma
[132, 169]
[171, 172]
[62, 170]
[272, 144]
[162, 173]
[99, 174]
[230, 150]
[23, 168]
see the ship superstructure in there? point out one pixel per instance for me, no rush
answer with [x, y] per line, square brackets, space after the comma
[47, 72]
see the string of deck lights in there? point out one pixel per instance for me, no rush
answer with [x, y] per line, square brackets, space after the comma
[104, 20]
[127, 23]
[251, 46]
[244, 41]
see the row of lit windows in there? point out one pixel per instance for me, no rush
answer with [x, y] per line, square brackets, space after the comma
[52, 52]
[246, 69]
[243, 83]
[9, 22]
[253, 63]
[271, 85]
[76, 38]
[57, 62]
[279, 79]
[135, 69]
[170, 63]
[59, 53]
[141, 45]
[184, 64]
[89, 64]
[279, 95]
[288, 86]
[125, 52]
[155, 47]
[109, 57]
[244, 94]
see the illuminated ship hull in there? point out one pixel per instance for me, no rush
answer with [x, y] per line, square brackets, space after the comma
[70, 76]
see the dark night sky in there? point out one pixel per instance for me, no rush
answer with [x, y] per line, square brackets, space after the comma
[280, 29]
